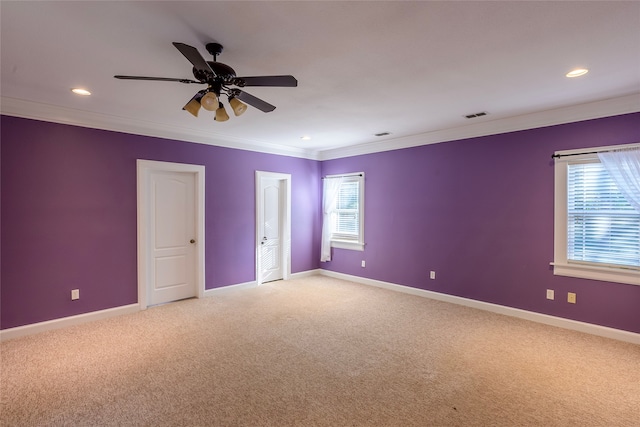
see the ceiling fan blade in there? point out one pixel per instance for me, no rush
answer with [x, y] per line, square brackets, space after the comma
[254, 102]
[192, 54]
[280, 81]
[160, 79]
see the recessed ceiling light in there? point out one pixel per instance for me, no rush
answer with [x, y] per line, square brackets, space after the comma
[305, 138]
[79, 91]
[577, 72]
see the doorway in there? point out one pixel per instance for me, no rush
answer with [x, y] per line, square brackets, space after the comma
[273, 226]
[170, 232]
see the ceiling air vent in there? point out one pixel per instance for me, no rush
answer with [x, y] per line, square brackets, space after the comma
[382, 134]
[473, 116]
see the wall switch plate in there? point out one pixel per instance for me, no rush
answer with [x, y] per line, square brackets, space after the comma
[571, 297]
[432, 275]
[550, 294]
[362, 263]
[75, 294]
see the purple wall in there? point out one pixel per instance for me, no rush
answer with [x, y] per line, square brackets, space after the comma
[479, 212]
[69, 215]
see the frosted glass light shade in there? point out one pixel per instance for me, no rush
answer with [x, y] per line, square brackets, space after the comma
[238, 106]
[193, 107]
[221, 114]
[209, 101]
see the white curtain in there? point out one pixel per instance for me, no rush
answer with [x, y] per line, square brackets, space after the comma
[329, 197]
[624, 167]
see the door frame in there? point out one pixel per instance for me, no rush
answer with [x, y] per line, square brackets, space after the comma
[144, 168]
[285, 213]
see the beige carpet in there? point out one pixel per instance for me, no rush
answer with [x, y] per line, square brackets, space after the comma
[318, 352]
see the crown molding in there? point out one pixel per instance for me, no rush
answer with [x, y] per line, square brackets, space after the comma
[575, 113]
[56, 114]
[587, 111]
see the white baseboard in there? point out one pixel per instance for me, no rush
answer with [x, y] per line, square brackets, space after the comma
[254, 283]
[589, 328]
[34, 328]
[603, 331]
[303, 274]
[49, 325]
[218, 291]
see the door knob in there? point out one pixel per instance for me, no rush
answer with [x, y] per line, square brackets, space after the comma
[192, 241]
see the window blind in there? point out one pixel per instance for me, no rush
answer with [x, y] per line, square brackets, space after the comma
[602, 226]
[347, 218]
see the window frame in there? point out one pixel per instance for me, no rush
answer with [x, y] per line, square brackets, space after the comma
[342, 242]
[562, 266]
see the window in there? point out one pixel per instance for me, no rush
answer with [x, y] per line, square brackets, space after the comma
[346, 219]
[344, 215]
[597, 229]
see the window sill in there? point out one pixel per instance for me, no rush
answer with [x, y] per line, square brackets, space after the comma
[618, 275]
[345, 244]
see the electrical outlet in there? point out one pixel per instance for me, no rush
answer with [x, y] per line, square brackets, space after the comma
[75, 294]
[432, 275]
[571, 297]
[550, 294]
[362, 264]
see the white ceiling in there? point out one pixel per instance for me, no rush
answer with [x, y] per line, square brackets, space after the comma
[413, 69]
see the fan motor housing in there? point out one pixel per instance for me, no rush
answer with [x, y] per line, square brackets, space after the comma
[223, 71]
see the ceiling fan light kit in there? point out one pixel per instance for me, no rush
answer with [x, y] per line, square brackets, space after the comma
[221, 114]
[192, 107]
[238, 106]
[209, 101]
[218, 77]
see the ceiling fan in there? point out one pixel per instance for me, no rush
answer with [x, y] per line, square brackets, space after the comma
[219, 77]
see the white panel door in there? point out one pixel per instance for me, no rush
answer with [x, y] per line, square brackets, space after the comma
[270, 229]
[172, 237]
